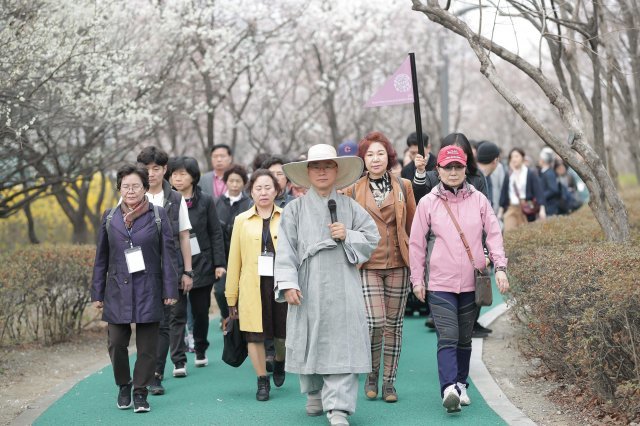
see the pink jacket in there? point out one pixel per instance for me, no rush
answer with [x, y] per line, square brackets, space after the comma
[436, 244]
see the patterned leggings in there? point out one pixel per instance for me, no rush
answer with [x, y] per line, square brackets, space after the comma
[385, 294]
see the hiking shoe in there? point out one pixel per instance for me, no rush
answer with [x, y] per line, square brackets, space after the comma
[201, 360]
[264, 386]
[140, 404]
[270, 361]
[314, 404]
[464, 398]
[389, 392]
[451, 399]
[479, 334]
[124, 396]
[179, 370]
[278, 373]
[429, 323]
[156, 387]
[337, 418]
[371, 386]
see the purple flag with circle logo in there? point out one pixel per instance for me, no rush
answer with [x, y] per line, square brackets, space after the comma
[396, 90]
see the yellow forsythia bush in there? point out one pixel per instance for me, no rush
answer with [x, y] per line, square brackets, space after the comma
[579, 297]
[44, 290]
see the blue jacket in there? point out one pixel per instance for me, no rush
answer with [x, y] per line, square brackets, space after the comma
[551, 189]
[134, 298]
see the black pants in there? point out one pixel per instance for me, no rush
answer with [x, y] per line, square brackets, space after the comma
[218, 290]
[146, 342]
[200, 299]
[171, 335]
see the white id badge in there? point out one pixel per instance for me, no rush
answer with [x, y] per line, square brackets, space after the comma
[195, 247]
[265, 265]
[135, 261]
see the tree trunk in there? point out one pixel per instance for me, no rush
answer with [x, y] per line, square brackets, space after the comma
[31, 229]
[605, 202]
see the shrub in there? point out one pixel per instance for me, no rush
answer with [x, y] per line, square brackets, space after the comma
[580, 299]
[44, 291]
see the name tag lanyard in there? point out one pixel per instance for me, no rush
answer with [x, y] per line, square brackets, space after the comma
[133, 256]
[265, 260]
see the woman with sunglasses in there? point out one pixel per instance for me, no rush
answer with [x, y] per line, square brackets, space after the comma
[450, 286]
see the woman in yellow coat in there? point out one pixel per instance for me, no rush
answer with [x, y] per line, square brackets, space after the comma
[249, 289]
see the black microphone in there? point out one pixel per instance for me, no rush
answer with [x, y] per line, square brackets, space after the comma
[334, 217]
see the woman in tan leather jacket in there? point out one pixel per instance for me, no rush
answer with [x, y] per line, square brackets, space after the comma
[385, 278]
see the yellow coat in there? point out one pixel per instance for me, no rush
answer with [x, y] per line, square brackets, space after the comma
[242, 267]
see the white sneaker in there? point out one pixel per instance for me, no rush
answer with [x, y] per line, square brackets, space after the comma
[337, 418]
[451, 399]
[464, 398]
[201, 360]
[180, 371]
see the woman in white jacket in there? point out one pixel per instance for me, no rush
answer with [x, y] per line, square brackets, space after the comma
[451, 287]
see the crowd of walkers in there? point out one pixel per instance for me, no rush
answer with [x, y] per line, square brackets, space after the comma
[315, 259]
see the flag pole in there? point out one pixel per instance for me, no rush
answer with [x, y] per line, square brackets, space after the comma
[416, 103]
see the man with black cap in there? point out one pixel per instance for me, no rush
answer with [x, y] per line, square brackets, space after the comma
[488, 157]
[416, 170]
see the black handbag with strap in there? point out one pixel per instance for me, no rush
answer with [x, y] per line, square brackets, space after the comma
[484, 292]
[235, 347]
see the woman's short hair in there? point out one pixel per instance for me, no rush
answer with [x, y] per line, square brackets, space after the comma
[365, 143]
[519, 151]
[132, 169]
[236, 169]
[263, 172]
[189, 164]
[459, 139]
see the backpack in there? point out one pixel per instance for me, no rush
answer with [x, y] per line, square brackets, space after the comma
[567, 202]
[156, 216]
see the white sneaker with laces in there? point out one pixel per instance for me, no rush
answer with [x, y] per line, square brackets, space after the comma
[464, 397]
[451, 399]
[180, 371]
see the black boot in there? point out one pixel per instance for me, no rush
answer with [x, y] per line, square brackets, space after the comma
[278, 373]
[264, 386]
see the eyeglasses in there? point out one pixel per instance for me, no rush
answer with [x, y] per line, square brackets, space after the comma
[135, 188]
[318, 166]
[450, 167]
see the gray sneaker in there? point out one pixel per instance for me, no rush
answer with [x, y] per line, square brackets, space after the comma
[371, 386]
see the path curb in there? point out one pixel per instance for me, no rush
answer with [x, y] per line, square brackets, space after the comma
[485, 383]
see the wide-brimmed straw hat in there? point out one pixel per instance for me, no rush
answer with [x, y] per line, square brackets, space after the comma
[349, 167]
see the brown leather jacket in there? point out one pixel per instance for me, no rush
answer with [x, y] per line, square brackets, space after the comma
[404, 206]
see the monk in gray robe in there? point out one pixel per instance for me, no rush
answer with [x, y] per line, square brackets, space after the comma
[316, 274]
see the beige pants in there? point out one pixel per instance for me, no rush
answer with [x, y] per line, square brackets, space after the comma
[514, 218]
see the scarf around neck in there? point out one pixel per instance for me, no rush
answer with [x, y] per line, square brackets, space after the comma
[380, 188]
[131, 214]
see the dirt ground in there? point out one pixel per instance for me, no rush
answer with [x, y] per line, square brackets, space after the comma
[29, 373]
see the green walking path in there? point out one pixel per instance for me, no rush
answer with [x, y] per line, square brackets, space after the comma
[222, 395]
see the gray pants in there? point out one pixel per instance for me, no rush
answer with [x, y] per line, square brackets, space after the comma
[339, 391]
[171, 334]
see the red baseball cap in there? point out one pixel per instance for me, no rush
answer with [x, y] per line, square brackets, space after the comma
[451, 154]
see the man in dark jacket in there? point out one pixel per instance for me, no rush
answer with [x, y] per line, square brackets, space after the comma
[172, 327]
[549, 181]
[416, 170]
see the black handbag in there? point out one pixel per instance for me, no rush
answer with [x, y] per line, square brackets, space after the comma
[484, 292]
[235, 347]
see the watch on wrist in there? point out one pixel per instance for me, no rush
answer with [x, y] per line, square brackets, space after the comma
[501, 269]
[190, 274]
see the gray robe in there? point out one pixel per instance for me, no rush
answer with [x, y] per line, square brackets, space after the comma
[327, 333]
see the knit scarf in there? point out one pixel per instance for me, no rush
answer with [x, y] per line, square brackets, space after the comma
[131, 214]
[380, 188]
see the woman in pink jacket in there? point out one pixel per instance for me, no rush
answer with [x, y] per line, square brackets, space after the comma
[436, 245]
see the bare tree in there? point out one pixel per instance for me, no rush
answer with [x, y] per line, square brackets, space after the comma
[605, 201]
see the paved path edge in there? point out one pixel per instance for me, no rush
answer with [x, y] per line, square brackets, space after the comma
[485, 383]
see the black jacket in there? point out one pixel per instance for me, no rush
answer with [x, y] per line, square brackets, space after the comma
[227, 215]
[533, 192]
[409, 172]
[206, 226]
[431, 181]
